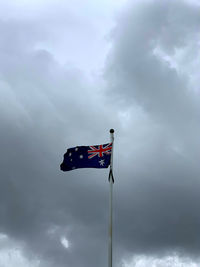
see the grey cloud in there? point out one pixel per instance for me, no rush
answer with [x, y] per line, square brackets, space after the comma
[157, 204]
[139, 74]
[46, 107]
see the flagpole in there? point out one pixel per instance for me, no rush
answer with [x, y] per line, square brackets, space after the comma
[110, 201]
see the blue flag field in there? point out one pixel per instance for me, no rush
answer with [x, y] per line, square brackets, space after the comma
[97, 156]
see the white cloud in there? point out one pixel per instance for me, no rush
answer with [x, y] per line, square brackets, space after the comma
[64, 242]
[75, 31]
[14, 257]
[11, 254]
[167, 261]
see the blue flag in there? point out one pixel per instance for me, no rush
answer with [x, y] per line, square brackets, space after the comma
[97, 156]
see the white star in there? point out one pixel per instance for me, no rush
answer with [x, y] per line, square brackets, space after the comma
[76, 149]
[81, 156]
[70, 154]
[102, 162]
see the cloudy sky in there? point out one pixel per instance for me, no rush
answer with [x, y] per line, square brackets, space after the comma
[70, 71]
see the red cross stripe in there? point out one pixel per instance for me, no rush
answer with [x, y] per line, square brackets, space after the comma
[99, 150]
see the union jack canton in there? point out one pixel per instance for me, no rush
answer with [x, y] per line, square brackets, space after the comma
[97, 156]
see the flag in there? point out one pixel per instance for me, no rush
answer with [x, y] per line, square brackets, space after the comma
[97, 156]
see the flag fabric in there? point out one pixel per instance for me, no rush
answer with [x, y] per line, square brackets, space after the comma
[97, 156]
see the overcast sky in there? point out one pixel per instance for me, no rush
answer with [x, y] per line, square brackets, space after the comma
[70, 71]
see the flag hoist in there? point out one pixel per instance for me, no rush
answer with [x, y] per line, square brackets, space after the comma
[96, 156]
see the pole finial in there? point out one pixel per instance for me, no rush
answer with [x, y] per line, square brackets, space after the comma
[111, 130]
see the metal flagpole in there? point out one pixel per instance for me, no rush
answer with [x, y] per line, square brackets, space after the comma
[111, 181]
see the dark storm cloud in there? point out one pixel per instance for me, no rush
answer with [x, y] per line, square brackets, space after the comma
[158, 209]
[46, 108]
[145, 28]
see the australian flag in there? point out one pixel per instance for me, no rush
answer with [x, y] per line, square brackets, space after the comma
[97, 156]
